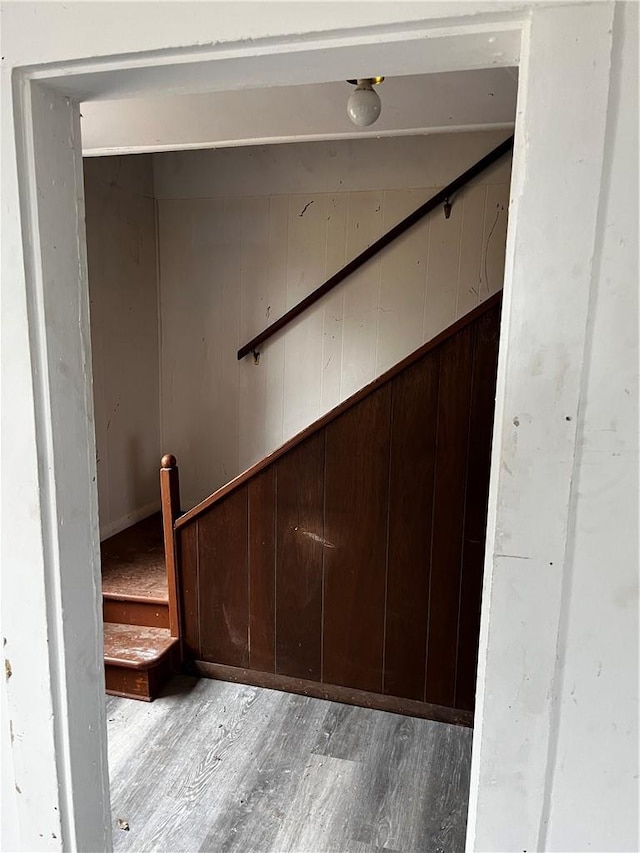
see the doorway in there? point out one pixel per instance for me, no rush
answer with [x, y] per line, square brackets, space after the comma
[46, 118]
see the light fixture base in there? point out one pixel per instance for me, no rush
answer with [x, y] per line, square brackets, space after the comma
[374, 81]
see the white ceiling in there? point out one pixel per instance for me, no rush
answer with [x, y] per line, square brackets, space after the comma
[426, 103]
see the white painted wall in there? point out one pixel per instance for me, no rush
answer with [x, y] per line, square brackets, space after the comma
[555, 761]
[54, 763]
[245, 234]
[122, 258]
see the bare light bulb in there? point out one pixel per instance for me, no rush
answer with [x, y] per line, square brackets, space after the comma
[364, 105]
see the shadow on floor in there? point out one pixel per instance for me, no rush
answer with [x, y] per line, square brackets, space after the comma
[179, 685]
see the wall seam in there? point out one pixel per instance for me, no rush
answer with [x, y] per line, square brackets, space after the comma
[380, 263]
[472, 385]
[433, 503]
[460, 247]
[386, 566]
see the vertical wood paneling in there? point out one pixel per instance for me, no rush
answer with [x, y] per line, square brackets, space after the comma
[442, 271]
[227, 416]
[332, 336]
[262, 570]
[413, 448]
[356, 496]
[254, 302]
[224, 586]
[473, 203]
[356, 557]
[188, 407]
[337, 212]
[403, 276]
[272, 357]
[199, 322]
[456, 359]
[307, 233]
[278, 257]
[187, 548]
[361, 297]
[299, 559]
[477, 495]
[333, 305]
[254, 249]
[302, 373]
[494, 239]
[217, 254]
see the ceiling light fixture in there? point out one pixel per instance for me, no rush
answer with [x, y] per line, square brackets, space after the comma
[364, 105]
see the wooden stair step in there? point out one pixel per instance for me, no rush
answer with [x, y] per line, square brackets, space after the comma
[138, 659]
[133, 562]
[136, 646]
[139, 584]
[134, 576]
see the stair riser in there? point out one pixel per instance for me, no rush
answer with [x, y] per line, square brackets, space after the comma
[135, 613]
[144, 684]
[132, 683]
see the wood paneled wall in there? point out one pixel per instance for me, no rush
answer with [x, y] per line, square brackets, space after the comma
[354, 557]
[232, 263]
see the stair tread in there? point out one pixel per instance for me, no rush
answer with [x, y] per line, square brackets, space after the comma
[133, 566]
[135, 646]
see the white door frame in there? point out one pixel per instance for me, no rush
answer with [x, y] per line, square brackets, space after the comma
[557, 166]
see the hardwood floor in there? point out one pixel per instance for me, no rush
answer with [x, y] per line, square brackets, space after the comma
[213, 766]
[133, 562]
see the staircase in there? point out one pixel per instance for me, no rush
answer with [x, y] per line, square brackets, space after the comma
[139, 651]
[348, 564]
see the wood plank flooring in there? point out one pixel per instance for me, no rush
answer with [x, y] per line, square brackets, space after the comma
[214, 766]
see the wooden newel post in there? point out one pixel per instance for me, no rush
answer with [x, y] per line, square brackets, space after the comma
[170, 500]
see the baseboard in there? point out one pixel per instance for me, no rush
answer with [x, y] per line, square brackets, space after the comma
[113, 527]
[334, 693]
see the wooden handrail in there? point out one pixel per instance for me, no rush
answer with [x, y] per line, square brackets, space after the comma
[436, 200]
[242, 478]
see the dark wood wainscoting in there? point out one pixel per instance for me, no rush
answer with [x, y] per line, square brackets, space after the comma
[353, 557]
